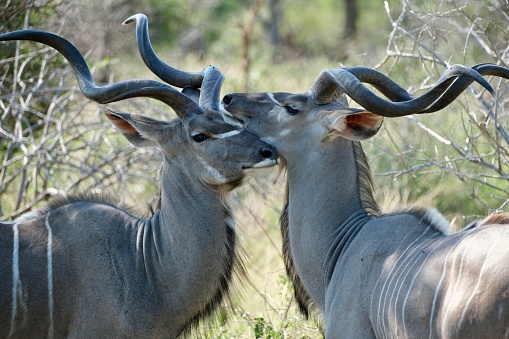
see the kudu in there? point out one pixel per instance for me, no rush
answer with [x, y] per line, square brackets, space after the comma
[370, 273]
[81, 267]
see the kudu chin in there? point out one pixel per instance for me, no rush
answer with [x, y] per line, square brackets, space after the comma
[80, 267]
[370, 273]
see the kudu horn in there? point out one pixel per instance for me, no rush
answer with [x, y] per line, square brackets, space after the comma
[180, 103]
[349, 81]
[165, 72]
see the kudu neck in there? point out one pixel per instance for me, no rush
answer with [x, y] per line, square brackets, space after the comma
[190, 234]
[327, 183]
[326, 209]
[184, 197]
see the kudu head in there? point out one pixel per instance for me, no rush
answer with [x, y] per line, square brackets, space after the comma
[289, 121]
[212, 150]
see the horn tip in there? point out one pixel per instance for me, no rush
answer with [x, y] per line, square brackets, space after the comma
[134, 18]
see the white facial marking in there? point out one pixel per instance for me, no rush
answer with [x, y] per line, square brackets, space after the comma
[225, 135]
[50, 277]
[228, 118]
[271, 97]
[212, 171]
[231, 120]
[16, 284]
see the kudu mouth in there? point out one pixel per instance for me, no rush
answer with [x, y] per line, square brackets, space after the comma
[270, 158]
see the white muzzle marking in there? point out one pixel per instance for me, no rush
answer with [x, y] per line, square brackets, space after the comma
[265, 163]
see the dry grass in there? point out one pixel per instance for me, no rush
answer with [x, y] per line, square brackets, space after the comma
[265, 308]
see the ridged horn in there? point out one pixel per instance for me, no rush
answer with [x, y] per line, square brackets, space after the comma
[180, 103]
[349, 81]
[165, 72]
[211, 89]
[462, 83]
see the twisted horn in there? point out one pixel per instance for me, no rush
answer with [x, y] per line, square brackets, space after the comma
[165, 72]
[181, 104]
[211, 89]
[349, 81]
[462, 83]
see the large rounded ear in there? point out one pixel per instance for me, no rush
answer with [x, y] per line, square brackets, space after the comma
[354, 124]
[139, 130]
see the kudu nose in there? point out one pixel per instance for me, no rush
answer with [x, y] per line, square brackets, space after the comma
[227, 99]
[268, 152]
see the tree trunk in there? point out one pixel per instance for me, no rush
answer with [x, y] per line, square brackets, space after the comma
[351, 19]
[273, 30]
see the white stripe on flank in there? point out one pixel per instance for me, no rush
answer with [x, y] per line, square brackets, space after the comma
[396, 267]
[437, 242]
[483, 267]
[413, 259]
[379, 282]
[460, 271]
[226, 135]
[439, 285]
[15, 277]
[50, 278]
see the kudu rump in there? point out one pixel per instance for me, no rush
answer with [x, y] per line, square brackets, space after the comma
[84, 268]
[374, 274]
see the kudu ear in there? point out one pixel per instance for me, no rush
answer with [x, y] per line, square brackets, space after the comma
[139, 130]
[353, 124]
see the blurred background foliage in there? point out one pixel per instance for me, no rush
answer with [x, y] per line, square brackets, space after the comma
[53, 140]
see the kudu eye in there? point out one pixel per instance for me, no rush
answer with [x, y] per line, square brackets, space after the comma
[290, 110]
[200, 137]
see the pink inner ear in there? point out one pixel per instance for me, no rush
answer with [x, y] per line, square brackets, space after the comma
[122, 124]
[365, 120]
[361, 126]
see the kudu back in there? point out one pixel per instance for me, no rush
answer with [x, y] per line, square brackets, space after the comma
[373, 274]
[82, 267]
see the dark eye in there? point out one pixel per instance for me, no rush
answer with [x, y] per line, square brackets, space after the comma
[200, 137]
[291, 110]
